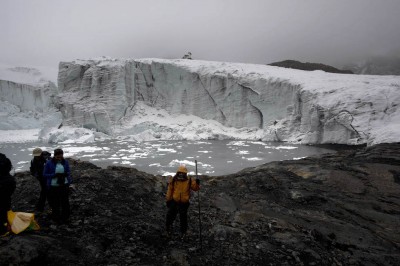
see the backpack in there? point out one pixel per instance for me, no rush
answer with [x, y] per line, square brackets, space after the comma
[5, 164]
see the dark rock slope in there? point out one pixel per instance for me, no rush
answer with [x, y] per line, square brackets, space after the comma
[309, 66]
[338, 209]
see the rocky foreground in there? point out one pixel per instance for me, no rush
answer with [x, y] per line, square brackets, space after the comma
[338, 209]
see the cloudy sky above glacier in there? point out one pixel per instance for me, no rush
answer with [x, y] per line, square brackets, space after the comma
[44, 32]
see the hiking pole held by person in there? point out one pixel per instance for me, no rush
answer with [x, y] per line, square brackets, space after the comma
[198, 198]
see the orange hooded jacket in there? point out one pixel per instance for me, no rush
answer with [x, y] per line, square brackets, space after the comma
[179, 189]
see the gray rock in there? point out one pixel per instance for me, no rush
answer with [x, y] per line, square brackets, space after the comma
[251, 217]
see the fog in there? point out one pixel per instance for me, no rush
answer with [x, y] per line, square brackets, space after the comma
[335, 32]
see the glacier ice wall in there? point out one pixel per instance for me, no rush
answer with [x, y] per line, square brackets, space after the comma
[95, 93]
[27, 102]
[28, 97]
[229, 99]
[288, 105]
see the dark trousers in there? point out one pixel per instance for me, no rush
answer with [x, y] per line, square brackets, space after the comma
[175, 208]
[59, 203]
[43, 195]
[5, 206]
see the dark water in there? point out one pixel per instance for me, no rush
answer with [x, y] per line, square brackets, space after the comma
[215, 157]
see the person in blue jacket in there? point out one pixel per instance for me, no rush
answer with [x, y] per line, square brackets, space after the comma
[58, 177]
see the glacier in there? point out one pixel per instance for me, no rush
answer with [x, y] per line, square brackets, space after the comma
[147, 99]
[27, 100]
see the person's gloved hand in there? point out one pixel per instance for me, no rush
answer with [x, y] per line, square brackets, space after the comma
[197, 181]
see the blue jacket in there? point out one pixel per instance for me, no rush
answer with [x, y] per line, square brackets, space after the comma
[50, 171]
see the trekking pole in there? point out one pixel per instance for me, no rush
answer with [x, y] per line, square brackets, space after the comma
[198, 197]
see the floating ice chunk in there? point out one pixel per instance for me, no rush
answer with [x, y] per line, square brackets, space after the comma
[166, 150]
[286, 148]
[252, 159]
[299, 158]
[238, 143]
[127, 162]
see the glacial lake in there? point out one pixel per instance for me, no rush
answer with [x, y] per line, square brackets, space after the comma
[214, 157]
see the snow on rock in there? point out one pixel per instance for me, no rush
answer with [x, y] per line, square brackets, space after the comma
[285, 104]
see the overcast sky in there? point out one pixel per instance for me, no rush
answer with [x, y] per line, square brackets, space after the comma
[45, 32]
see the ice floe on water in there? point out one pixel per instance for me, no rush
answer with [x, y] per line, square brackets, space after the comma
[238, 143]
[252, 159]
[167, 150]
[164, 157]
[285, 148]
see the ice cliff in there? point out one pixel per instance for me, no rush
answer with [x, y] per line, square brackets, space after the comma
[148, 99]
[282, 104]
[27, 99]
[95, 93]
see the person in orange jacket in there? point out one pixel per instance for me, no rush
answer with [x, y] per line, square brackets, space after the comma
[178, 195]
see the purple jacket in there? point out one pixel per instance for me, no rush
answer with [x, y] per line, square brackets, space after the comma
[50, 170]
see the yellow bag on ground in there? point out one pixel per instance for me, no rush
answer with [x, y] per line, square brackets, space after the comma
[21, 221]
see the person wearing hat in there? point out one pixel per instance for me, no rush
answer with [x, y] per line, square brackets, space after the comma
[7, 188]
[178, 196]
[36, 169]
[58, 177]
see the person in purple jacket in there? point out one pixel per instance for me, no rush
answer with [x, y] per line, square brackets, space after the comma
[58, 177]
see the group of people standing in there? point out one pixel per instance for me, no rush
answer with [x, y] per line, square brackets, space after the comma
[54, 177]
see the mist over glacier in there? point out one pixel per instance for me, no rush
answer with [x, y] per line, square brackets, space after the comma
[158, 99]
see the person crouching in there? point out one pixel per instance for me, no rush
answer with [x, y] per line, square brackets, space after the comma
[177, 197]
[58, 176]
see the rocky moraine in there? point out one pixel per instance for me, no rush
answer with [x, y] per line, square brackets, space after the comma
[336, 209]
